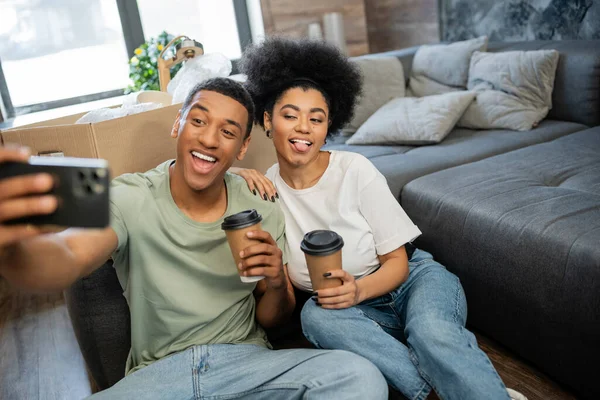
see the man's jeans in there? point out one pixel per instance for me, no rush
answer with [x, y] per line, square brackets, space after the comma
[225, 371]
[415, 335]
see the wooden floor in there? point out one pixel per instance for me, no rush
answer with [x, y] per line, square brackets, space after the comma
[520, 376]
[39, 356]
[40, 359]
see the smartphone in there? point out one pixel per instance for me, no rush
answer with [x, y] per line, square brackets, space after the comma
[81, 187]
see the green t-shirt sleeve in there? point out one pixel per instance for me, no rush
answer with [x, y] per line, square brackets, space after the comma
[281, 239]
[122, 199]
[117, 223]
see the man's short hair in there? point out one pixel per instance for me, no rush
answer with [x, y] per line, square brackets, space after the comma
[226, 87]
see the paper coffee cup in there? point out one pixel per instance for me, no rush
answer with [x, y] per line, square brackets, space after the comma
[236, 226]
[323, 252]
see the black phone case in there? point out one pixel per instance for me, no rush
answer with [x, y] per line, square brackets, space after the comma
[82, 188]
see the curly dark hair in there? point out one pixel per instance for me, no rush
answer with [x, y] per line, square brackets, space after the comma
[278, 64]
[226, 87]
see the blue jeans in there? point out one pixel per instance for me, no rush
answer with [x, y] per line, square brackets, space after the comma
[229, 371]
[415, 335]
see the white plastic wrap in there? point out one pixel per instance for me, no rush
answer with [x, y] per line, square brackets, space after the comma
[104, 114]
[148, 96]
[196, 70]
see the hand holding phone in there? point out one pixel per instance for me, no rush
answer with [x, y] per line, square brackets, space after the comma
[22, 196]
[76, 191]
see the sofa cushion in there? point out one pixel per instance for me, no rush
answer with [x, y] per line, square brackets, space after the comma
[576, 95]
[402, 164]
[414, 120]
[442, 68]
[522, 232]
[514, 89]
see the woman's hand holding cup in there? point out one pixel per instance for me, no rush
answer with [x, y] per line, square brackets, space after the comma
[344, 296]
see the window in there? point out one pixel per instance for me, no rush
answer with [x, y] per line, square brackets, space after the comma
[64, 52]
[210, 22]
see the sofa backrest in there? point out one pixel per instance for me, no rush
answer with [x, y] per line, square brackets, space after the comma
[576, 95]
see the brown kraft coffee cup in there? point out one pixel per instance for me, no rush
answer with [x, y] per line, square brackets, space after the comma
[323, 252]
[236, 226]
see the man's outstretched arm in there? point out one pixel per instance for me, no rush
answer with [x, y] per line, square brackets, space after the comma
[30, 258]
[54, 261]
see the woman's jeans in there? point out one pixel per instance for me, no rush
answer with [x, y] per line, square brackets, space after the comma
[415, 335]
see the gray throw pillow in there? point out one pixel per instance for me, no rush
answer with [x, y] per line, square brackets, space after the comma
[414, 120]
[514, 89]
[443, 68]
[383, 80]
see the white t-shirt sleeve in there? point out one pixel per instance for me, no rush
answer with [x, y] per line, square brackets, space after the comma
[390, 225]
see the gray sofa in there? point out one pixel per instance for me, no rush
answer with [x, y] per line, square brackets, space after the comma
[516, 215]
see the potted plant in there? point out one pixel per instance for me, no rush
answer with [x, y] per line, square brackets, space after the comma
[143, 66]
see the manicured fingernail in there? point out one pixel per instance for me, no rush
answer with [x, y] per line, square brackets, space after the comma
[273, 199]
[250, 234]
[265, 197]
[277, 195]
[327, 274]
[240, 265]
[241, 254]
[254, 191]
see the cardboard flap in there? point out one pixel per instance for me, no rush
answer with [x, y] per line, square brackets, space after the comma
[66, 120]
[71, 140]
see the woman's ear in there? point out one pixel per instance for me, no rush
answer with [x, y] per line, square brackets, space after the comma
[176, 125]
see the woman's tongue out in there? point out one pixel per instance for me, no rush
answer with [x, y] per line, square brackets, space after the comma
[300, 146]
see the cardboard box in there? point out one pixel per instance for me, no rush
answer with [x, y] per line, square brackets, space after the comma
[135, 143]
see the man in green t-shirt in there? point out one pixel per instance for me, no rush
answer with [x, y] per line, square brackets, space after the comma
[195, 327]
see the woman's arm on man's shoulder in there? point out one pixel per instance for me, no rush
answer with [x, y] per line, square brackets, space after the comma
[391, 274]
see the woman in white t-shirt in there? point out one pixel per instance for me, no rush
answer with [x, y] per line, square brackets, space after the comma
[404, 313]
